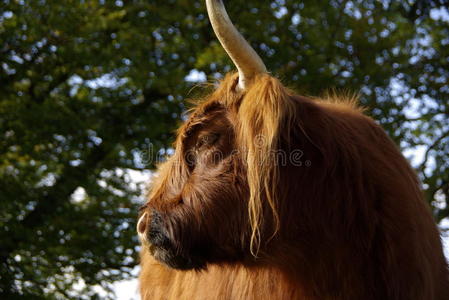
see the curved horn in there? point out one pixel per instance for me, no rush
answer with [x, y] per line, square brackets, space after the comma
[246, 60]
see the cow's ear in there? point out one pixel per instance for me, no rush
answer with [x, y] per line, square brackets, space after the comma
[265, 113]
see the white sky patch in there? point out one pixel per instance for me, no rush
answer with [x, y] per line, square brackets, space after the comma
[196, 76]
[78, 195]
[296, 19]
[127, 289]
[280, 12]
[109, 81]
[48, 180]
[106, 81]
[444, 225]
[445, 238]
[440, 14]
[415, 155]
[139, 176]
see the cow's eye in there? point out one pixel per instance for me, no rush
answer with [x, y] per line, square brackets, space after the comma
[207, 140]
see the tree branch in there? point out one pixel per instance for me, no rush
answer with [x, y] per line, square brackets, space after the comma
[426, 155]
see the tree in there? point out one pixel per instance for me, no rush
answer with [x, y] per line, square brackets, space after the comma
[88, 86]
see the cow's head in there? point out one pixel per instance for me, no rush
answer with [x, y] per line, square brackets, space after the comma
[215, 199]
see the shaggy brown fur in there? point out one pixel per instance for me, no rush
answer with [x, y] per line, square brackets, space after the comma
[240, 217]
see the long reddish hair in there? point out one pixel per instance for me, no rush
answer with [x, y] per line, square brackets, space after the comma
[271, 195]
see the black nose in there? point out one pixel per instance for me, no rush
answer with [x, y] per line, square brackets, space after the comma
[157, 234]
[164, 248]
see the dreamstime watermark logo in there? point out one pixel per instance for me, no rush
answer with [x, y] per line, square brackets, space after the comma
[278, 157]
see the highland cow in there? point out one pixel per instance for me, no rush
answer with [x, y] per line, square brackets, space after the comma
[272, 195]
